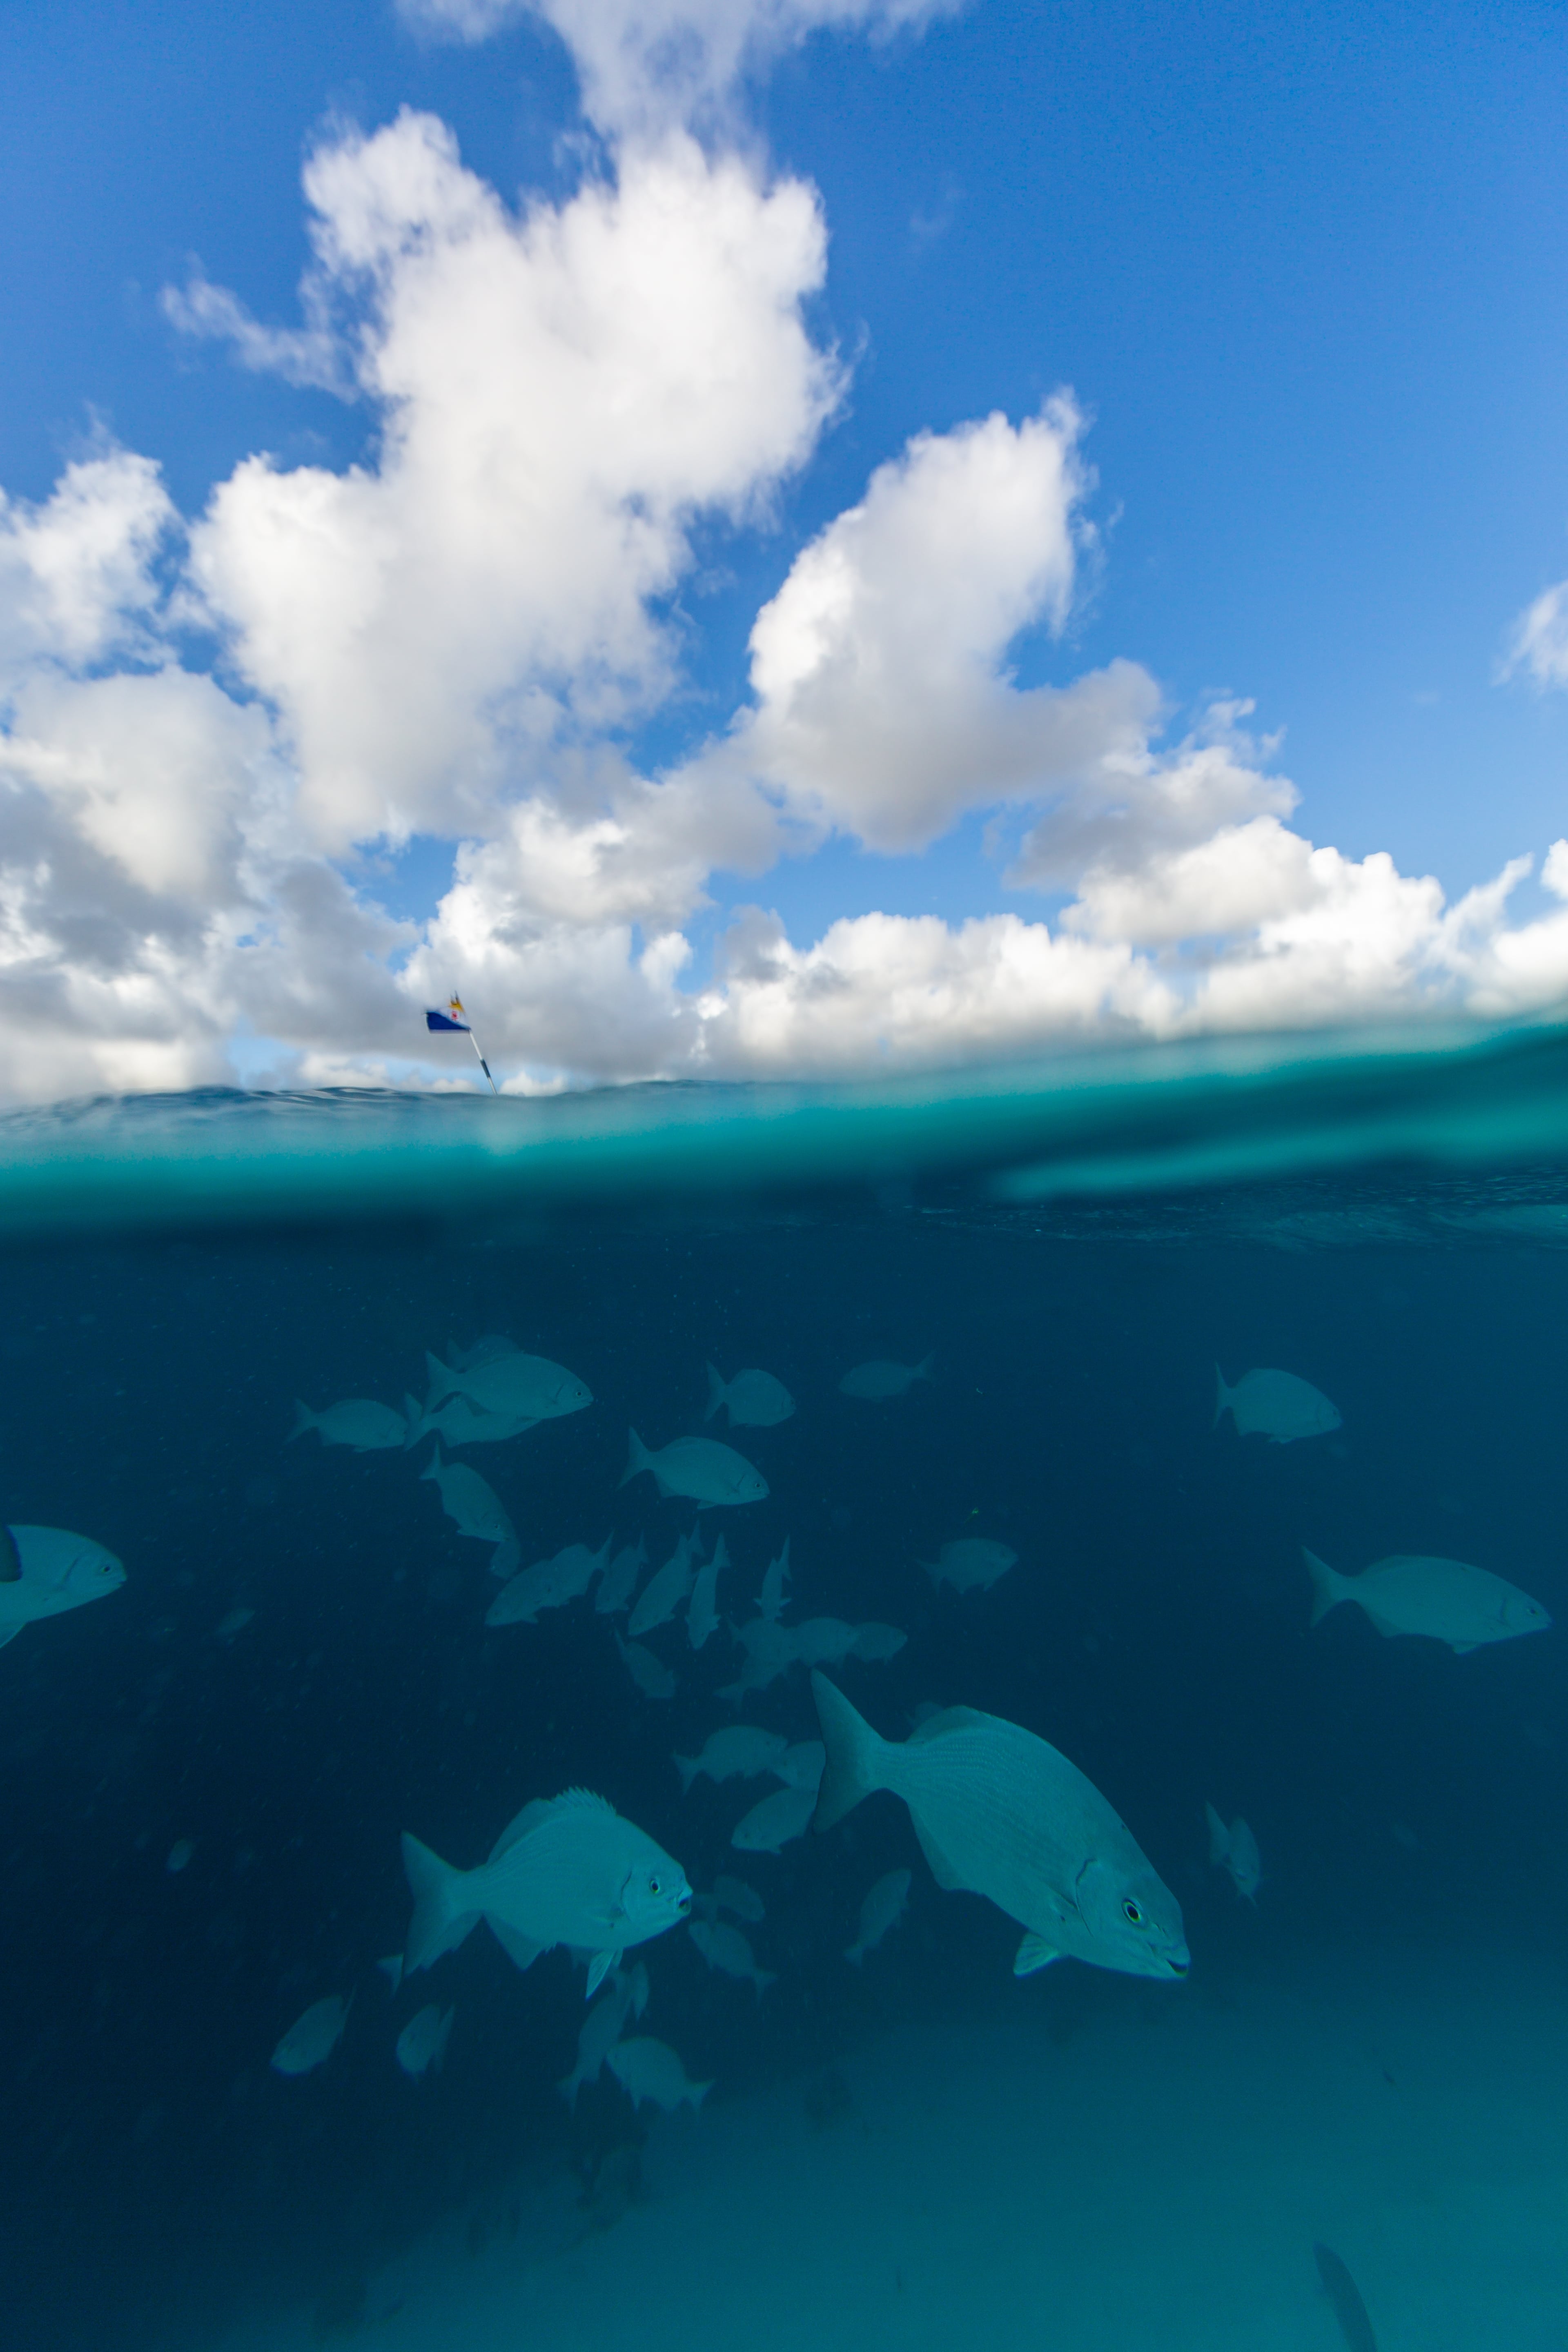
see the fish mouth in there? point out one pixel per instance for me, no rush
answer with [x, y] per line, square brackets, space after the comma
[1178, 1968]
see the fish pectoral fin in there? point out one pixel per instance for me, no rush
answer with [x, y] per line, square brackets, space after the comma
[941, 1870]
[599, 1967]
[1034, 1953]
[8, 1633]
[516, 1947]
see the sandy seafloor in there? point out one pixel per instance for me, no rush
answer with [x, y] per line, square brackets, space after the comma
[1148, 2179]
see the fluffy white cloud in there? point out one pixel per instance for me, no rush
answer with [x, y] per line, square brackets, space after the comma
[77, 578]
[883, 704]
[564, 395]
[647, 65]
[1540, 645]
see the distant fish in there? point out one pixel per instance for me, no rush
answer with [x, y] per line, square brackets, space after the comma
[883, 1907]
[458, 1423]
[649, 2070]
[422, 2045]
[43, 1572]
[734, 1895]
[651, 1674]
[698, 1467]
[488, 1349]
[312, 2038]
[568, 1870]
[619, 1580]
[235, 1623]
[603, 2027]
[874, 1644]
[548, 1584]
[1236, 1850]
[471, 1504]
[702, 1617]
[357, 1421]
[512, 1384]
[770, 1652]
[877, 1381]
[1343, 2292]
[725, 1948]
[180, 1855]
[774, 1579]
[735, 1753]
[970, 1562]
[665, 1590]
[1275, 1405]
[772, 1823]
[801, 1767]
[1446, 1599]
[1000, 1812]
[822, 1641]
[752, 1400]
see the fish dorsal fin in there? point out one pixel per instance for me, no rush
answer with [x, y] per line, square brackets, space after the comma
[571, 1799]
[941, 1870]
[10, 1558]
[951, 1718]
[536, 1810]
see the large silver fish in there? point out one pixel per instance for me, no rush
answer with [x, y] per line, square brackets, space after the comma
[45, 1571]
[568, 1870]
[1448, 1600]
[520, 1386]
[1003, 1815]
[699, 1467]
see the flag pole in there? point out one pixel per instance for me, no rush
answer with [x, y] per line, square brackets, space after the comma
[457, 1007]
[454, 1018]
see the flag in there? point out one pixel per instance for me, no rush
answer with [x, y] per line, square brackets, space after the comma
[444, 1021]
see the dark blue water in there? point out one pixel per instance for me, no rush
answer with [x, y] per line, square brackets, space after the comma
[164, 1297]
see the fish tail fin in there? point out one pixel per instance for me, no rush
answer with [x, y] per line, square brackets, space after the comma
[637, 1457]
[444, 1909]
[715, 1393]
[1219, 1836]
[414, 1414]
[433, 1468]
[1328, 1588]
[304, 1419]
[443, 1381]
[686, 1768]
[1222, 1398]
[854, 1767]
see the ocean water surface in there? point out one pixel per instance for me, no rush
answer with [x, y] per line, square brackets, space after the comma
[209, 1769]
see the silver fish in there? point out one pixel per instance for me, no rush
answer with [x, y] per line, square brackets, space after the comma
[602, 2028]
[313, 2036]
[512, 1384]
[548, 1584]
[970, 1562]
[702, 1617]
[698, 1467]
[999, 1812]
[43, 1572]
[735, 1753]
[802, 1767]
[651, 1674]
[568, 1870]
[725, 1948]
[422, 2045]
[734, 1895]
[1234, 1850]
[459, 1423]
[774, 1579]
[874, 1644]
[752, 1400]
[665, 1590]
[469, 1501]
[877, 1381]
[1275, 1405]
[357, 1421]
[883, 1907]
[649, 2070]
[778, 1819]
[1446, 1599]
[619, 1580]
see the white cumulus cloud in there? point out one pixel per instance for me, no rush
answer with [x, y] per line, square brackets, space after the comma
[1540, 643]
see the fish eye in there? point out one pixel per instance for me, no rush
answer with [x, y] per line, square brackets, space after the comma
[653, 1885]
[1131, 1913]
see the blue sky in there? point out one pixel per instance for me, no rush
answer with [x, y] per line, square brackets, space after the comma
[1303, 273]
